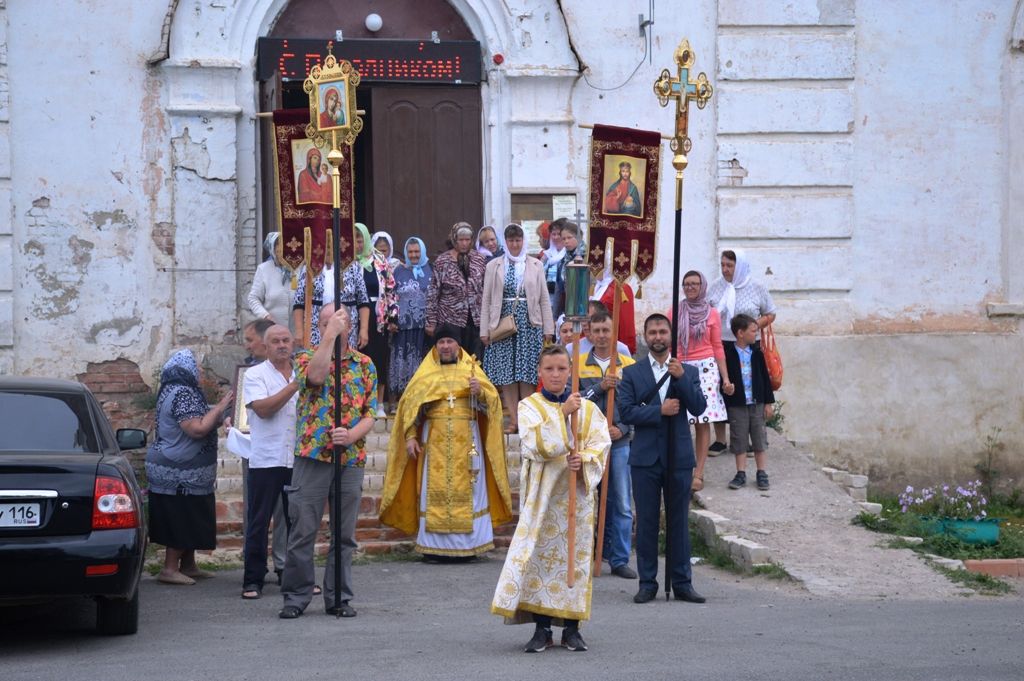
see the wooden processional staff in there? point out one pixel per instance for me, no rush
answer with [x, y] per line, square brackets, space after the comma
[577, 298]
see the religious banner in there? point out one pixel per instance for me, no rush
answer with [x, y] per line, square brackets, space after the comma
[623, 206]
[303, 189]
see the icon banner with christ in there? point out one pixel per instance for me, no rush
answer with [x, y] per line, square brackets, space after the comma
[623, 204]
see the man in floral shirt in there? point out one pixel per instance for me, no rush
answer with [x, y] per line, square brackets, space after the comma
[317, 439]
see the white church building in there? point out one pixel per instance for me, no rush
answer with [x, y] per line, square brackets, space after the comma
[866, 155]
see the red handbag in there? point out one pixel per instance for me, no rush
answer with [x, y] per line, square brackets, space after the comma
[772, 358]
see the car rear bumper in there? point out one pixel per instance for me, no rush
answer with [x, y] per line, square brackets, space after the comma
[39, 567]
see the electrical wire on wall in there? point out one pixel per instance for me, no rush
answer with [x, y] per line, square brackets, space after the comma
[647, 34]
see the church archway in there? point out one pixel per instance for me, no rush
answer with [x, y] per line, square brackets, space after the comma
[419, 160]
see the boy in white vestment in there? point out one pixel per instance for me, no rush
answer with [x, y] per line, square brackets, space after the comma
[532, 586]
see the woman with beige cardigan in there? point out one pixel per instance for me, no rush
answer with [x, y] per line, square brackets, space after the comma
[515, 286]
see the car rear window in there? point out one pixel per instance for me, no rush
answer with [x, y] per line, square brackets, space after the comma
[45, 422]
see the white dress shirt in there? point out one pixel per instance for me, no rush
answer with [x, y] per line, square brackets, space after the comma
[659, 371]
[273, 438]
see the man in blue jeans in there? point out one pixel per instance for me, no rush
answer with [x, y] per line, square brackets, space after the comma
[594, 385]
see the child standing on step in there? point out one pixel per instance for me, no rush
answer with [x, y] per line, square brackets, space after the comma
[748, 409]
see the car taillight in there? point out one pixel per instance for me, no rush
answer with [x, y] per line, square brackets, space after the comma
[113, 507]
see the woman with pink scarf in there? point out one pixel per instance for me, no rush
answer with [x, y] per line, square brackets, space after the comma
[700, 346]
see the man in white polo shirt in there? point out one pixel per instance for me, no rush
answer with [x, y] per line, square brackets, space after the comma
[270, 390]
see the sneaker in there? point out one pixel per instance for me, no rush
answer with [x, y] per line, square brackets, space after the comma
[571, 640]
[716, 448]
[541, 641]
[762, 480]
[739, 481]
[624, 571]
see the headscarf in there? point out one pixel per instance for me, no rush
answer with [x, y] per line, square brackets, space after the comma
[309, 156]
[180, 370]
[518, 262]
[377, 236]
[365, 257]
[268, 248]
[482, 250]
[741, 276]
[453, 234]
[417, 267]
[693, 315]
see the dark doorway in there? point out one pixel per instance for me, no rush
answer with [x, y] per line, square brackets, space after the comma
[418, 160]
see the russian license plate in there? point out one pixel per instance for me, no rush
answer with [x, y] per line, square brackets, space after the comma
[19, 514]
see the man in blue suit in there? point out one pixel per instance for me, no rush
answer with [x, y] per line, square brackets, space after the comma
[649, 408]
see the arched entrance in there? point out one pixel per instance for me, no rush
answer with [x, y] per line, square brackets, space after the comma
[419, 163]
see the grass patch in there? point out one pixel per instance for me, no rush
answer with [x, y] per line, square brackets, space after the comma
[771, 571]
[983, 584]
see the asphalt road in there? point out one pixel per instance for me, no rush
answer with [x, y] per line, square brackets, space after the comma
[419, 621]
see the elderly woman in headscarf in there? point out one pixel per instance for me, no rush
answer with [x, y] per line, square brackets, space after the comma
[271, 294]
[455, 289]
[385, 245]
[700, 345]
[379, 282]
[408, 346]
[489, 243]
[736, 292]
[181, 467]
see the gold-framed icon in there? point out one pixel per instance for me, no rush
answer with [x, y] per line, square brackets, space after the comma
[331, 88]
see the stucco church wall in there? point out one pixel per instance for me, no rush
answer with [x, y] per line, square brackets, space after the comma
[855, 149]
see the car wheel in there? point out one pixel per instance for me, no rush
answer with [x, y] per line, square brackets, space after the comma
[117, 617]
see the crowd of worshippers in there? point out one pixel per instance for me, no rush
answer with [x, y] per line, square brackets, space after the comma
[465, 347]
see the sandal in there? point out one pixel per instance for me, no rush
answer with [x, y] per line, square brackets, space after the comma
[251, 592]
[697, 484]
[317, 590]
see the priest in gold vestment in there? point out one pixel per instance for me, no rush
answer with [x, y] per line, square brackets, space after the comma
[532, 586]
[446, 479]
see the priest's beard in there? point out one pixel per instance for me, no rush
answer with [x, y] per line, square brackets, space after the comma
[449, 359]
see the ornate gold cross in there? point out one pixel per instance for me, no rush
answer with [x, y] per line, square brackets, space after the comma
[682, 89]
[451, 400]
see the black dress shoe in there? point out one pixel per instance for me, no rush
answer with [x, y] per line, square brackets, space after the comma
[290, 612]
[645, 595]
[689, 595]
[343, 610]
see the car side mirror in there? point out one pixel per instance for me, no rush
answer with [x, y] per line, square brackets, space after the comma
[131, 438]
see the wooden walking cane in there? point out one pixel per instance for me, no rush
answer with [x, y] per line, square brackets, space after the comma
[610, 411]
[577, 286]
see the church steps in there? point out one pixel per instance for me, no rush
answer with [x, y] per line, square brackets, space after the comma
[373, 537]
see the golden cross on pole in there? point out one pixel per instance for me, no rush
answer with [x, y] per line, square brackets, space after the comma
[682, 89]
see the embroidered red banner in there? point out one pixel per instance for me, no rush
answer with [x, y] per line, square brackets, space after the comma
[304, 200]
[623, 208]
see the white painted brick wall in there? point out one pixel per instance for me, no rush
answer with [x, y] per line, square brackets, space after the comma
[785, 215]
[770, 107]
[778, 55]
[783, 162]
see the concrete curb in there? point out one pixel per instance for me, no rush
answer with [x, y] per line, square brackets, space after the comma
[714, 530]
[997, 567]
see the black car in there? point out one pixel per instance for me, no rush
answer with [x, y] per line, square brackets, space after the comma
[71, 517]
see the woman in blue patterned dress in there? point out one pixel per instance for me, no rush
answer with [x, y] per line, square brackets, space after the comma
[514, 284]
[408, 344]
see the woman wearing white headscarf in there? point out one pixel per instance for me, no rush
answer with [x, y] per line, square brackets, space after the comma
[514, 285]
[489, 243]
[385, 245]
[736, 292]
[271, 294]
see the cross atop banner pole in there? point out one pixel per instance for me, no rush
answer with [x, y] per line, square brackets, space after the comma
[683, 91]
